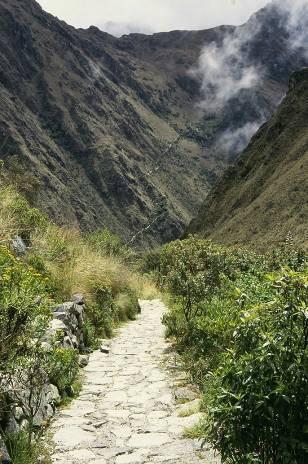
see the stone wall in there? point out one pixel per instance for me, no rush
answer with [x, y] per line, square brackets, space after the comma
[67, 326]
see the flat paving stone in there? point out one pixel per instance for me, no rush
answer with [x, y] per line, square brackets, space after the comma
[127, 412]
[149, 440]
[72, 436]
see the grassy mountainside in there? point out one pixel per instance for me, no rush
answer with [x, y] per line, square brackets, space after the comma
[92, 116]
[263, 198]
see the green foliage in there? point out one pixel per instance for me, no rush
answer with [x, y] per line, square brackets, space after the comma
[245, 344]
[30, 220]
[101, 309]
[90, 334]
[109, 244]
[37, 263]
[191, 270]
[150, 262]
[57, 248]
[108, 307]
[17, 217]
[63, 368]
[259, 410]
[21, 452]
[126, 305]
[25, 308]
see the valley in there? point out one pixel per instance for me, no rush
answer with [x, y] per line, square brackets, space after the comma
[90, 116]
[153, 235]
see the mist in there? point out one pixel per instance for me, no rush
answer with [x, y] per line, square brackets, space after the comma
[226, 70]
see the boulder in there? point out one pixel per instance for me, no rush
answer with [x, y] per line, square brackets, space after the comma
[18, 413]
[75, 342]
[49, 400]
[18, 246]
[105, 349]
[83, 360]
[4, 455]
[12, 426]
[52, 395]
[67, 342]
[56, 325]
[78, 299]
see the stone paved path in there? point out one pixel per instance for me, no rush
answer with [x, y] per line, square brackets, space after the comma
[126, 413]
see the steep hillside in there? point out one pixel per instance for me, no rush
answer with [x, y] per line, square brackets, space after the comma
[92, 117]
[263, 198]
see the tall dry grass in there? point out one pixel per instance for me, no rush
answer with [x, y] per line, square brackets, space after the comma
[96, 265]
[78, 267]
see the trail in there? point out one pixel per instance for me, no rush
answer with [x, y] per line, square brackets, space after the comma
[127, 413]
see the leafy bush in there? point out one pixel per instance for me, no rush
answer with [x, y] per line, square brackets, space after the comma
[21, 452]
[109, 244]
[259, 411]
[63, 368]
[191, 270]
[126, 305]
[25, 308]
[240, 322]
[17, 217]
[150, 262]
[101, 307]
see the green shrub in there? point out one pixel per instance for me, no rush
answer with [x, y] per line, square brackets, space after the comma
[242, 332]
[150, 262]
[25, 308]
[21, 452]
[17, 217]
[259, 412]
[90, 334]
[101, 308]
[30, 220]
[191, 270]
[109, 244]
[37, 263]
[126, 304]
[63, 368]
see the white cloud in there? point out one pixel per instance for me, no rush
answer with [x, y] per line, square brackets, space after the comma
[225, 71]
[298, 21]
[119, 16]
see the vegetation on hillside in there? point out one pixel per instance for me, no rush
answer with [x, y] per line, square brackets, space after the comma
[262, 199]
[240, 322]
[59, 262]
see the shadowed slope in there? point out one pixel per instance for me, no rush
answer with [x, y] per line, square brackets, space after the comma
[263, 198]
[93, 118]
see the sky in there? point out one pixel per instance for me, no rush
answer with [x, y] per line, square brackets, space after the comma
[124, 16]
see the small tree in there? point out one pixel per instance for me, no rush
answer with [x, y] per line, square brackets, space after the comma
[192, 271]
[25, 310]
[27, 380]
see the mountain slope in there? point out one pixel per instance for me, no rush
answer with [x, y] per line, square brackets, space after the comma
[263, 198]
[93, 117]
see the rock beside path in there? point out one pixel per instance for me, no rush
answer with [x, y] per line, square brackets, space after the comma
[126, 413]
